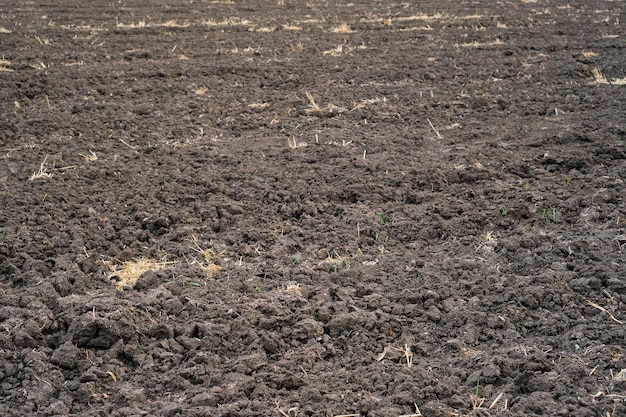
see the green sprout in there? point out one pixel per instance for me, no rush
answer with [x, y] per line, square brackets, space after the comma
[504, 210]
[554, 214]
[298, 258]
[526, 185]
[194, 284]
[477, 387]
[257, 288]
[2, 234]
[568, 182]
[381, 219]
[544, 213]
[346, 264]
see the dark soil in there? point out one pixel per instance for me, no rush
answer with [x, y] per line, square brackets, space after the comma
[445, 231]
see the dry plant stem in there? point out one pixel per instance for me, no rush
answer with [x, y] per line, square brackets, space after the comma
[496, 400]
[112, 375]
[620, 376]
[130, 146]
[418, 413]
[436, 131]
[211, 268]
[91, 157]
[342, 28]
[42, 171]
[406, 352]
[289, 412]
[314, 107]
[294, 288]
[604, 310]
[293, 143]
[476, 402]
[597, 75]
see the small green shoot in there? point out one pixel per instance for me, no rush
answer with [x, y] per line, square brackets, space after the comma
[346, 264]
[477, 388]
[257, 288]
[526, 185]
[377, 236]
[381, 219]
[2, 234]
[386, 238]
[139, 346]
[254, 272]
[194, 284]
[544, 213]
[297, 259]
[568, 182]
[503, 210]
[554, 214]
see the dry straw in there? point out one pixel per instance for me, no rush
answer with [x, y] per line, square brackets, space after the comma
[42, 173]
[131, 271]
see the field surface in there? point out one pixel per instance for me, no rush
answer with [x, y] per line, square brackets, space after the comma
[313, 208]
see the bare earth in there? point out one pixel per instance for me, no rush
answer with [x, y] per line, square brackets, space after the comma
[320, 208]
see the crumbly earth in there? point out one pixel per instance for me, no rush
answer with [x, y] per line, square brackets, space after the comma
[346, 208]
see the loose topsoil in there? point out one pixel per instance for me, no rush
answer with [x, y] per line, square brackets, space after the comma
[313, 208]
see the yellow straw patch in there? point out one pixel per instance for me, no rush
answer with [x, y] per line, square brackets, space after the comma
[131, 271]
